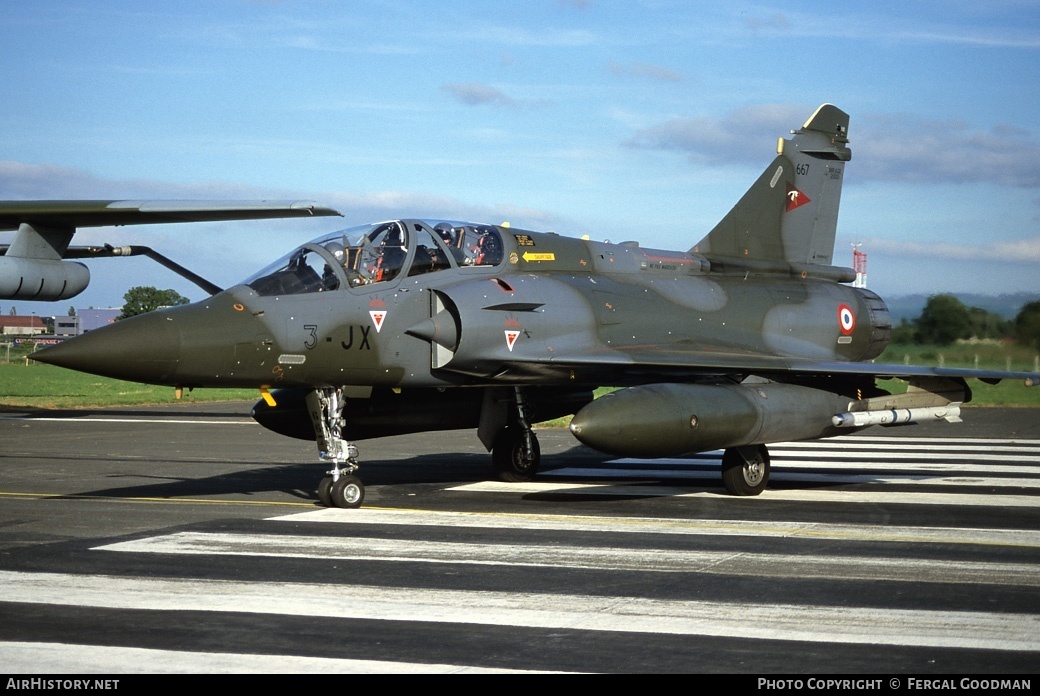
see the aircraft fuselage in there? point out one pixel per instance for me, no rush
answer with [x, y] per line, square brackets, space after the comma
[549, 298]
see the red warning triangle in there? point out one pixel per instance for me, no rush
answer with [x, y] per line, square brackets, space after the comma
[795, 198]
[377, 318]
[511, 337]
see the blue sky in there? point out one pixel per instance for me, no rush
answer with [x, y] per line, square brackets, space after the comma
[640, 120]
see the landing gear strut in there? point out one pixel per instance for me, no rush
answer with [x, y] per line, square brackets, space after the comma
[340, 488]
[515, 453]
[745, 470]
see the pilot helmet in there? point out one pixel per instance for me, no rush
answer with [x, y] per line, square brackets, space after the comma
[446, 231]
[393, 237]
[337, 250]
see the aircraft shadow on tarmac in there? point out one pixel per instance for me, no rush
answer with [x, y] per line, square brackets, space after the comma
[458, 468]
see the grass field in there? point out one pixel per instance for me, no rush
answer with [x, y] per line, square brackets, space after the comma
[40, 386]
[995, 356]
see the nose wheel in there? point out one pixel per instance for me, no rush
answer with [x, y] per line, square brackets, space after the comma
[340, 488]
[344, 492]
[515, 453]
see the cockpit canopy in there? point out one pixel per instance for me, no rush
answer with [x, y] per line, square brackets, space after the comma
[379, 253]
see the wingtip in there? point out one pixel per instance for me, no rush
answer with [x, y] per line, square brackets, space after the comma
[315, 208]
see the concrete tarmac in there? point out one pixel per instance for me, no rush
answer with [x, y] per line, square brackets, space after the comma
[188, 539]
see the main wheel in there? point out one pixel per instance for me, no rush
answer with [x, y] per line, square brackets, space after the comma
[348, 492]
[508, 456]
[745, 470]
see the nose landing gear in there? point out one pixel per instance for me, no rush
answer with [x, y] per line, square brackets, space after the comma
[515, 454]
[340, 488]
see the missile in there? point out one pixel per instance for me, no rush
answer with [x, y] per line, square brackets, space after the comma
[669, 420]
[898, 416]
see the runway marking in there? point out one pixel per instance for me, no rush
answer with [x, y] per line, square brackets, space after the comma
[68, 658]
[674, 526]
[924, 462]
[788, 622]
[778, 473]
[673, 466]
[907, 455]
[813, 496]
[584, 557]
[904, 454]
[951, 440]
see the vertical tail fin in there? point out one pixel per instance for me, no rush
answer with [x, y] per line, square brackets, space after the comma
[790, 213]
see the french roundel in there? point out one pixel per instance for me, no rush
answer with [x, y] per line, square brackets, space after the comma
[846, 319]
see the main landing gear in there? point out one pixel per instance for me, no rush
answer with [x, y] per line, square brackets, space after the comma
[515, 453]
[340, 488]
[745, 470]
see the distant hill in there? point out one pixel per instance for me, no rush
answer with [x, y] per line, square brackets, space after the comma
[909, 307]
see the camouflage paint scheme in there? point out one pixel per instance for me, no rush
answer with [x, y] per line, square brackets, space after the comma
[749, 337]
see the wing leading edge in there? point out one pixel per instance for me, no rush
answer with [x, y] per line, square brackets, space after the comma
[102, 213]
[32, 267]
[682, 365]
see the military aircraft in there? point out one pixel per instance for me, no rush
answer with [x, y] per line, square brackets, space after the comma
[750, 337]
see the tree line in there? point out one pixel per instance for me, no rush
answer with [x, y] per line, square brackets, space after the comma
[144, 298]
[945, 319]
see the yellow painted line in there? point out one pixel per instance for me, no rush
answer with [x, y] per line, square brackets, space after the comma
[146, 499]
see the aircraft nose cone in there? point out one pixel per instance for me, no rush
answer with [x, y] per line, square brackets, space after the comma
[145, 348]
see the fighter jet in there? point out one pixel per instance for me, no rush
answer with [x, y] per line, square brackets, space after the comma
[751, 336]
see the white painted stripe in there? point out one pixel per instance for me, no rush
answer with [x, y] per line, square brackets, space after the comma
[871, 626]
[46, 660]
[864, 457]
[908, 456]
[681, 466]
[842, 446]
[817, 496]
[909, 475]
[585, 557]
[953, 440]
[914, 478]
[676, 526]
[908, 445]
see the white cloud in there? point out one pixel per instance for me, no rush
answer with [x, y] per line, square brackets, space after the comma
[738, 137]
[1015, 251]
[908, 148]
[888, 147]
[475, 94]
[22, 181]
